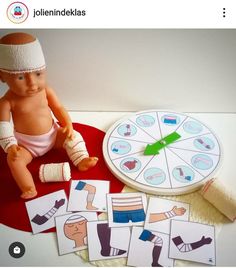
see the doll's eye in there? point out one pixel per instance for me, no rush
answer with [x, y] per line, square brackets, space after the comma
[20, 77]
[38, 74]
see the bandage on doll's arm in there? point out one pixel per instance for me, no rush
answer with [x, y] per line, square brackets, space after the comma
[7, 137]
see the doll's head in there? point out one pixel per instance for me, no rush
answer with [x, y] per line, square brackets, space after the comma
[22, 64]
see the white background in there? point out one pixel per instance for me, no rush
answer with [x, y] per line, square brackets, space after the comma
[184, 70]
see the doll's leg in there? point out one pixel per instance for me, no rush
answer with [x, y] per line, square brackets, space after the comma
[76, 150]
[21, 173]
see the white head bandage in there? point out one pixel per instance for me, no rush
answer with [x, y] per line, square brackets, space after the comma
[74, 219]
[21, 58]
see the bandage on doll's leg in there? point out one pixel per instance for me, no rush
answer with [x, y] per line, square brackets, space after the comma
[76, 148]
[77, 152]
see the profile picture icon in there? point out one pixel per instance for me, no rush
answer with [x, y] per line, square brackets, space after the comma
[17, 12]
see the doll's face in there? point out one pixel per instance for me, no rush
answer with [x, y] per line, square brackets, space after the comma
[25, 84]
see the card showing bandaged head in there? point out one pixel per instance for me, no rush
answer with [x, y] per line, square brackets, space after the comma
[72, 231]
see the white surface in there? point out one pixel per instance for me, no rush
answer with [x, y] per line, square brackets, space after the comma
[41, 249]
[128, 69]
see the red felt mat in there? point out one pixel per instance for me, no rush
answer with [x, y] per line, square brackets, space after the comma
[12, 208]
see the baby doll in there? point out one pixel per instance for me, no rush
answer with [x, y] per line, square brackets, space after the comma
[30, 102]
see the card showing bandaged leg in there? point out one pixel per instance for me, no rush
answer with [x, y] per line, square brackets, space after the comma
[42, 210]
[72, 231]
[148, 248]
[193, 242]
[88, 195]
[160, 212]
[126, 209]
[105, 242]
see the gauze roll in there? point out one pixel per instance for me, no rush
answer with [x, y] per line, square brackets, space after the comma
[21, 58]
[220, 196]
[55, 172]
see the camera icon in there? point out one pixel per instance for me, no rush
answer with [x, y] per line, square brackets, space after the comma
[16, 250]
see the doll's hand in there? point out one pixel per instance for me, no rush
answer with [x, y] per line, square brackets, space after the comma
[69, 131]
[13, 152]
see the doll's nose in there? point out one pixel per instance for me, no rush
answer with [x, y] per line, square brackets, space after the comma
[31, 81]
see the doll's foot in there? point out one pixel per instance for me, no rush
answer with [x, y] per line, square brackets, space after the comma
[29, 193]
[87, 163]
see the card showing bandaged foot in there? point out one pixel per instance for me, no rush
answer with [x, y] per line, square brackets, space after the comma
[148, 248]
[42, 210]
[192, 241]
[161, 211]
[105, 242]
[126, 209]
[88, 195]
[72, 231]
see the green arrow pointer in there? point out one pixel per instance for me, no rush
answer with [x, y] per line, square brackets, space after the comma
[153, 149]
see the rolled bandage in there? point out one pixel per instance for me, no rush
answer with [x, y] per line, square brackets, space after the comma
[223, 198]
[21, 58]
[7, 137]
[76, 148]
[54, 172]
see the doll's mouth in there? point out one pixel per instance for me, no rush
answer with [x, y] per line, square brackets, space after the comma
[32, 91]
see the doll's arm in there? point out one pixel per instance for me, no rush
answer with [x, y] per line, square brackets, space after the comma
[7, 139]
[60, 112]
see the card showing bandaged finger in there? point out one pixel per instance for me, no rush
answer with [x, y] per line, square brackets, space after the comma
[161, 211]
[192, 241]
[43, 210]
[148, 248]
[88, 195]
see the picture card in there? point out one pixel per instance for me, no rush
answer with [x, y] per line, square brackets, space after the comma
[105, 242]
[126, 209]
[193, 242]
[88, 195]
[148, 248]
[43, 210]
[161, 211]
[72, 231]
